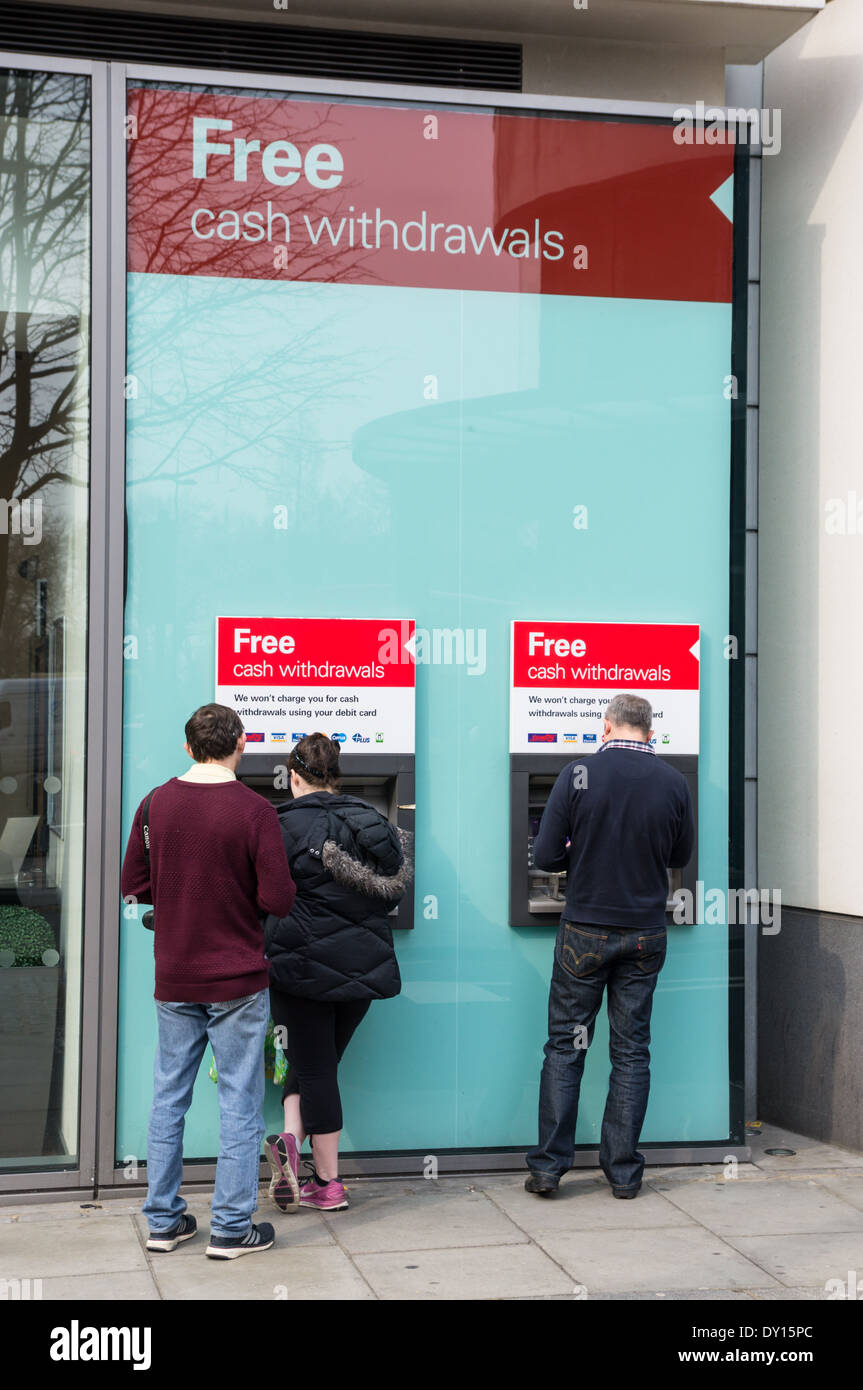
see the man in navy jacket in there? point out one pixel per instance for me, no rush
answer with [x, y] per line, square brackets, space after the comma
[615, 821]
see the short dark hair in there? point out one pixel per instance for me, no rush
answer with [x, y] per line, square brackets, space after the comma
[213, 732]
[315, 758]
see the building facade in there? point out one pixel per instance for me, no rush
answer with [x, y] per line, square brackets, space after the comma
[454, 333]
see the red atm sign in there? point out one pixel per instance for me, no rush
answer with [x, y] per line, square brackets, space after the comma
[564, 675]
[630, 656]
[313, 651]
[351, 679]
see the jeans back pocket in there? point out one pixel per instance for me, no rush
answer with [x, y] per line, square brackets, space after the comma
[650, 952]
[581, 951]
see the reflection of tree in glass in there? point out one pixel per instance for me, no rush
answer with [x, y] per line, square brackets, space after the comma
[253, 416]
[259, 415]
[44, 291]
[164, 193]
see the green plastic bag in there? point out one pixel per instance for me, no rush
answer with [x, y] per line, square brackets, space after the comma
[275, 1061]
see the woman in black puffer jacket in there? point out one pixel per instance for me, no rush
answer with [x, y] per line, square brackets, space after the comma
[329, 958]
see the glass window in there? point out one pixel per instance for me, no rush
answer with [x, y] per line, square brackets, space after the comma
[466, 366]
[44, 439]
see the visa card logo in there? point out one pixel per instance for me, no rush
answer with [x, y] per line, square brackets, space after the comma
[542, 738]
[590, 738]
[570, 738]
[278, 738]
[254, 738]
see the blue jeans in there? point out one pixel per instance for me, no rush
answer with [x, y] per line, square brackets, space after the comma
[588, 959]
[236, 1030]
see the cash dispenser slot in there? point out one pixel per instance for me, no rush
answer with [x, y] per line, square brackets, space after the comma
[537, 897]
[385, 781]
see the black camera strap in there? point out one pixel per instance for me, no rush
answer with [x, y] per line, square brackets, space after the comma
[148, 919]
[145, 823]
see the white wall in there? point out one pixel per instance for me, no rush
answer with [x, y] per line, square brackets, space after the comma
[623, 71]
[811, 451]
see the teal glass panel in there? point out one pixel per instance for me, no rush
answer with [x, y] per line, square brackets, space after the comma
[430, 446]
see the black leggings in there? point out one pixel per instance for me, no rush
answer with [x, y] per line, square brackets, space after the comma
[318, 1032]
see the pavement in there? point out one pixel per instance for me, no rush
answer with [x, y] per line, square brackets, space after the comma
[776, 1228]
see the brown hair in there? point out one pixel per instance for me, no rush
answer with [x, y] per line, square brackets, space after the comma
[213, 732]
[316, 759]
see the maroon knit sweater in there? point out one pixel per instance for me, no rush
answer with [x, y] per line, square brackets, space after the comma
[217, 859]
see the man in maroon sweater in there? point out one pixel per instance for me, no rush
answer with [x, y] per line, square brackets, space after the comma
[216, 865]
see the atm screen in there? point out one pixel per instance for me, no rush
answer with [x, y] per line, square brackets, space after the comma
[546, 892]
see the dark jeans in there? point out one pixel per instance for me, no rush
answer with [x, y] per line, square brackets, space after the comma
[318, 1031]
[588, 959]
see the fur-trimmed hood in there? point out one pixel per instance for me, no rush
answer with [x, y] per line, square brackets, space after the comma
[359, 875]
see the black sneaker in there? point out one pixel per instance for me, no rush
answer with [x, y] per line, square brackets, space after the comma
[185, 1228]
[231, 1247]
[626, 1193]
[543, 1184]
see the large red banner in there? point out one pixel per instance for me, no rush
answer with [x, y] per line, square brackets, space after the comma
[292, 189]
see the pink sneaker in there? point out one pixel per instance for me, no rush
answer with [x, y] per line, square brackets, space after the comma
[333, 1197]
[284, 1159]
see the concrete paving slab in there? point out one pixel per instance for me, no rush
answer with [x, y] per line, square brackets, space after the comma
[805, 1260]
[847, 1186]
[431, 1219]
[66, 1211]
[487, 1272]
[780, 1206]
[583, 1206]
[703, 1172]
[283, 1274]
[779, 1295]
[102, 1288]
[675, 1296]
[656, 1259]
[40, 1249]
[809, 1153]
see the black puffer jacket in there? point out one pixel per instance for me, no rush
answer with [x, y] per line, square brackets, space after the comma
[351, 868]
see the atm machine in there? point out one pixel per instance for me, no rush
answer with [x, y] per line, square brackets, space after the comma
[562, 677]
[385, 780]
[350, 678]
[535, 897]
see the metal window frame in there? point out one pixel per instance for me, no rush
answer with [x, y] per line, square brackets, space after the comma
[107, 574]
[45, 1184]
